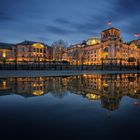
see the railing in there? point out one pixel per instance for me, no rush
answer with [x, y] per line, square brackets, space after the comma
[47, 66]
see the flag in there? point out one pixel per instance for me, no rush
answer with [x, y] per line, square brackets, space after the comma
[109, 23]
[136, 35]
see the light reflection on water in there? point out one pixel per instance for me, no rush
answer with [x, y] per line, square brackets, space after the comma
[99, 105]
[109, 89]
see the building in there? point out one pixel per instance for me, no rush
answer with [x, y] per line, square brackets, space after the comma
[5, 52]
[136, 42]
[59, 53]
[33, 52]
[74, 54]
[109, 49]
[25, 52]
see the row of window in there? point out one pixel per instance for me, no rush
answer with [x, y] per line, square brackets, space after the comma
[91, 59]
[32, 55]
[91, 56]
[30, 50]
[90, 52]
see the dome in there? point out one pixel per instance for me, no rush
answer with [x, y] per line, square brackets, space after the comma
[93, 41]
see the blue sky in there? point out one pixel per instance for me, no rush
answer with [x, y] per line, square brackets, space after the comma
[70, 20]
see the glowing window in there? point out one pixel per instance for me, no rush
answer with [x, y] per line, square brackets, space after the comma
[4, 54]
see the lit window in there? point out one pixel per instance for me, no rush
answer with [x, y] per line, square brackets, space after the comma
[4, 54]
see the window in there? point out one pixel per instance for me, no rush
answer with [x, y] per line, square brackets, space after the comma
[4, 54]
[23, 49]
[30, 50]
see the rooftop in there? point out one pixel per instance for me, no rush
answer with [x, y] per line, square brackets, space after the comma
[5, 45]
[110, 29]
[28, 42]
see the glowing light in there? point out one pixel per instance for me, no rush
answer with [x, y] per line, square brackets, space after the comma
[105, 54]
[38, 45]
[105, 85]
[93, 41]
[92, 96]
[4, 84]
[38, 92]
[4, 54]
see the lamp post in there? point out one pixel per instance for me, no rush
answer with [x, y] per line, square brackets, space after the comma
[82, 54]
[38, 62]
[102, 63]
[138, 64]
[120, 63]
[16, 53]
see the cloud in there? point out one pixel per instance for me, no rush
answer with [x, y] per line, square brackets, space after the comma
[128, 7]
[57, 30]
[5, 18]
[70, 20]
[62, 21]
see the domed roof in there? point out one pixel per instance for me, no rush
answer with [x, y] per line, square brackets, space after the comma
[93, 41]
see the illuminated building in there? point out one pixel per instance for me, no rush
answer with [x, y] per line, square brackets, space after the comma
[5, 52]
[74, 54]
[136, 42]
[29, 51]
[93, 41]
[109, 49]
[59, 53]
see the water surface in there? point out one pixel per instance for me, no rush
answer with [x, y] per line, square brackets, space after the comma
[71, 107]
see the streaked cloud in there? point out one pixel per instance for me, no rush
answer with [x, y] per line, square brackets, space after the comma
[71, 20]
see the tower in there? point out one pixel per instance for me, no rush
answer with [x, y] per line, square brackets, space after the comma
[110, 34]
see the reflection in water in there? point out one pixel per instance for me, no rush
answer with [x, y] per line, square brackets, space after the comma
[109, 89]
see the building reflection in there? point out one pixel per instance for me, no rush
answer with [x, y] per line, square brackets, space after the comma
[108, 89]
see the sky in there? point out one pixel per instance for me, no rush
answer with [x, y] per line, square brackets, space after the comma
[71, 20]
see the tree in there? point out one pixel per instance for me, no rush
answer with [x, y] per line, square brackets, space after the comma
[59, 48]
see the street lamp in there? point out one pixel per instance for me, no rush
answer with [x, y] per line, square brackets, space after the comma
[82, 53]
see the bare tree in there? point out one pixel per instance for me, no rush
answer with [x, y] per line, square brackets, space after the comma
[59, 48]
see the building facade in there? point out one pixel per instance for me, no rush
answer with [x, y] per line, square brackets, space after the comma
[5, 52]
[109, 49]
[28, 51]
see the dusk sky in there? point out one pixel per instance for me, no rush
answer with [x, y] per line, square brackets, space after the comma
[70, 20]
